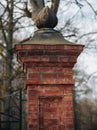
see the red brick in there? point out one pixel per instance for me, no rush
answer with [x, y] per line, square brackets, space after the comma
[68, 104]
[61, 127]
[33, 121]
[68, 98]
[34, 52]
[47, 69]
[47, 115]
[70, 126]
[54, 59]
[68, 109]
[48, 81]
[64, 81]
[69, 121]
[22, 53]
[46, 128]
[72, 52]
[32, 59]
[67, 70]
[54, 93]
[68, 87]
[30, 47]
[68, 59]
[33, 115]
[38, 47]
[44, 59]
[49, 64]
[32, 92]
[64, 59]
[58, 69]
[67, 64]
[55, 127]
[60, 47]
[32, 103]
[33, 127]
[68, 92]
[50, 52]
[26, 47]
[69, 115]
[32, 109]
[32, 97]
[41, 87]
[72, 59]
[50, 110]
[52, 115]
[33, 81]
[51, 122]
[63, 75]
[60, 109]
[18, 47]
[33, 76]
[51, 47]
[34, 70]
[27, 65]
[49, 76]
[68, 47]
[30, 88]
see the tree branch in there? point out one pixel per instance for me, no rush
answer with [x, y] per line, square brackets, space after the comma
[91, 7]
[3, 31]
[55, 5]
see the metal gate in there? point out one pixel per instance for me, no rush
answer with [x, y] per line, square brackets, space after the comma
[12, 120]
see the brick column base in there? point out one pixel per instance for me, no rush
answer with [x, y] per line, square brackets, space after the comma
[49, 84]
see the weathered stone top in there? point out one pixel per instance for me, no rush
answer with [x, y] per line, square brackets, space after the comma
[48, 36]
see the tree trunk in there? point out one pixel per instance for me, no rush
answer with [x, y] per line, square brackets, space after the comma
[8, 65]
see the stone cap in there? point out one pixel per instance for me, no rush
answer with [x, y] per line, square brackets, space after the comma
[48, 36]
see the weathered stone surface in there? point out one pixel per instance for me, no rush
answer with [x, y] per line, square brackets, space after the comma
[46, 18]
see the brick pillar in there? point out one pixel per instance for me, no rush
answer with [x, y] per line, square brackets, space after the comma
[49, 84]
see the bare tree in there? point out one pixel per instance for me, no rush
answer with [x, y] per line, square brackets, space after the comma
[10, 71]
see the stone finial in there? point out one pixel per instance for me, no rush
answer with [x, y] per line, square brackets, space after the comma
[44, 17]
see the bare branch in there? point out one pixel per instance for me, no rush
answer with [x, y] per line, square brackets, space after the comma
[3, 31]
[91, 7]
[55, 5]
[25, 10]
[17, 72]
[84, 35]
[79, 4]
